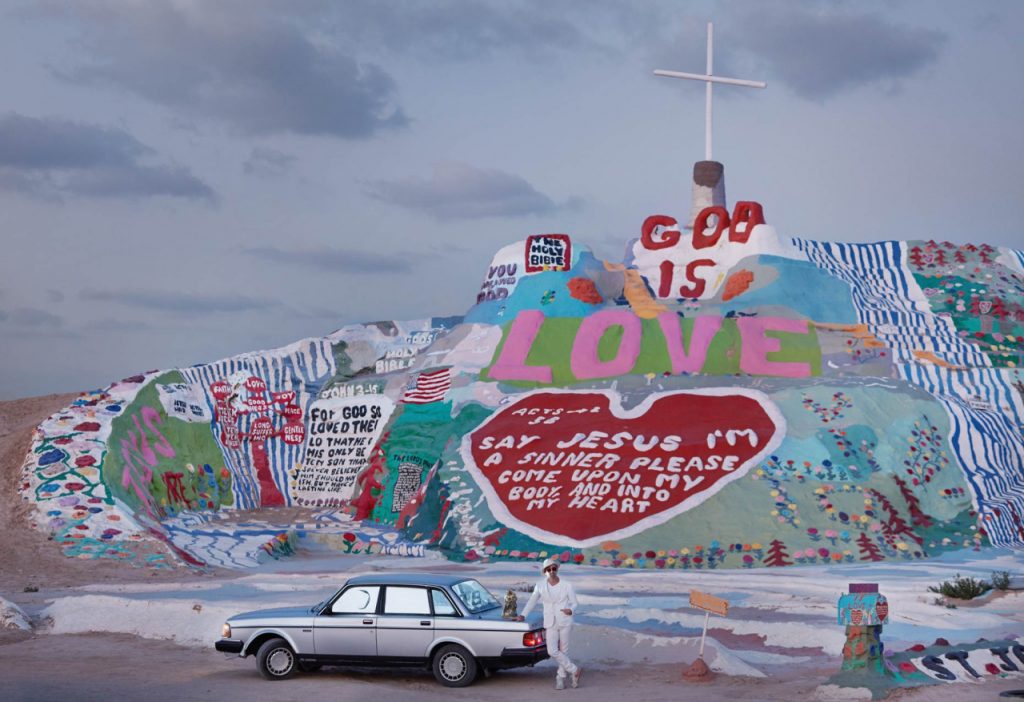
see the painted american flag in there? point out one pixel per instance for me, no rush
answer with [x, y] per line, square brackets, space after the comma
[430, 387]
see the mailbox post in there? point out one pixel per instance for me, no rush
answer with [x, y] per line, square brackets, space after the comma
[864, 611]
[709, 604]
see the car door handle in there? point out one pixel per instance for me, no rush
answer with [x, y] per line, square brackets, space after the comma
[367, 621]
[425, 623]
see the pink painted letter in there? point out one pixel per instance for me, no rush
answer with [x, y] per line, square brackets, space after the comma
[585, 362]
[704, 329]
[511, 364]
[756, 346]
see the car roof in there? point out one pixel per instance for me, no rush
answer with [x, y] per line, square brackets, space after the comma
[436, 579]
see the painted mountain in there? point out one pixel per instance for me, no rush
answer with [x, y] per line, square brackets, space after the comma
[724, 397]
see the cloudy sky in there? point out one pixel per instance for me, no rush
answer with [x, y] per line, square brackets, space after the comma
[182, 181]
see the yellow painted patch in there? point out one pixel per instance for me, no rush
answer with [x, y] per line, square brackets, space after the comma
[639, 297]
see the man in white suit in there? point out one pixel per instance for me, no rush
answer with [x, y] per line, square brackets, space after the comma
[559, 600]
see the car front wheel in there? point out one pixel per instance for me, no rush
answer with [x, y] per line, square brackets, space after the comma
[276, 660]
[454, 666]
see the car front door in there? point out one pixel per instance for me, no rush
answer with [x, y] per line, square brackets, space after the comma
[348, 628]
[405, 628]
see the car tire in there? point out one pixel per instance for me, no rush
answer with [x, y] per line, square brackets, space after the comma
[276, 660]
[454, 666]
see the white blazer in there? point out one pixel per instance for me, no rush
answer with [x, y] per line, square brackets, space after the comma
[555, 598]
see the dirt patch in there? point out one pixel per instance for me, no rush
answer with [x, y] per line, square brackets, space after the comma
[30, 558]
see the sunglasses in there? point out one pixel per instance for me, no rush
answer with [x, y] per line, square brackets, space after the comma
[551, 569]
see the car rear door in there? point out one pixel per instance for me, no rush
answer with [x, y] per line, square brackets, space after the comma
[405, 628]
[348, 628]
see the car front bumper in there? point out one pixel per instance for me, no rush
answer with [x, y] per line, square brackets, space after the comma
[228, 646]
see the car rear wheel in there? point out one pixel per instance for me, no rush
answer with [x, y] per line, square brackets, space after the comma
[454, 666]
[276, 660]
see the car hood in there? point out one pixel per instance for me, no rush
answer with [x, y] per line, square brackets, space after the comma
[283, 612]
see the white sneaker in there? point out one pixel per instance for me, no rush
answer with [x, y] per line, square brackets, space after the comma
[576, 677]
[559, 683]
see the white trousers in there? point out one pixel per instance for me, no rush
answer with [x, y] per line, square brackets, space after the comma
[558, 647]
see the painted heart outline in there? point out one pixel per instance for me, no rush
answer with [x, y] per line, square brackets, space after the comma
[683, 421]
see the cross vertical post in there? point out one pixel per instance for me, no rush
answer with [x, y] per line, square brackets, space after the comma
[707, 95]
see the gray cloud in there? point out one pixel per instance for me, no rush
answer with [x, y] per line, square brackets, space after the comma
[267, 163]
[469, 31]
[33, 317]
[822, 54]
[237, 62]
[179, 303]
[139, 181]
[118, 325]
[461, 191]
[52, 157]
[334, 260]
[54, 295]
[48, 143]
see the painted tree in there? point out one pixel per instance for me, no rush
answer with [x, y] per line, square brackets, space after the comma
[896, 525]
[916, 256]
[918, 517]
[869, 551]
[999, 309]
[777, 555]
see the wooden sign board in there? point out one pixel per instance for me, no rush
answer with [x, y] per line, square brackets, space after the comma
[709, 603]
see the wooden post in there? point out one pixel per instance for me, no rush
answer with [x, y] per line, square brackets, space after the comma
[704, 634]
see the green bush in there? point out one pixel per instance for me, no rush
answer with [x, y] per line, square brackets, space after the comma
[962, 588]
[1001, 580]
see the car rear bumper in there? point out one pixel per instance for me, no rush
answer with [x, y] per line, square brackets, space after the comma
[228, 646]
[516, 657]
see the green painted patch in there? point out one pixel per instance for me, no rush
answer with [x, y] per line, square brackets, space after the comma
[160, 465]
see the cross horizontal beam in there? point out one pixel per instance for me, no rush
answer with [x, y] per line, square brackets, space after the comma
[712, 79]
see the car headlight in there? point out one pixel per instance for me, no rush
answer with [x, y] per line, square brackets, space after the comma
[225, 631]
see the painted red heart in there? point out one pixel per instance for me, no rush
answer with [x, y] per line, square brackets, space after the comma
[575, 468]
[856, 616]
[881, 611]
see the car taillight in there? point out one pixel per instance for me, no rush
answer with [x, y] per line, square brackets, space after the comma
[533, 638]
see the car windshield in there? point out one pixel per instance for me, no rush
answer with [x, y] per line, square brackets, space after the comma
[475, 596]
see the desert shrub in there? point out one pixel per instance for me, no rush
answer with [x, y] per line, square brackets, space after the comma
[962, 588]
[1001, 580]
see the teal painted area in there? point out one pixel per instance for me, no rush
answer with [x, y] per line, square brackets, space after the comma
[851, 452]
[803, 505]
[417, 438]
[801, 286]
[548, 292]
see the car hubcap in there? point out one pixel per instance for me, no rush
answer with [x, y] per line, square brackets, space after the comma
[453, 667]
[280, 661]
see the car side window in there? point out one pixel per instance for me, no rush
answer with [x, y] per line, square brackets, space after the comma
[443, 607]
[406, 600]
[359, 599]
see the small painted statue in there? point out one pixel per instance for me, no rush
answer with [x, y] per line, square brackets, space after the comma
[511, 610]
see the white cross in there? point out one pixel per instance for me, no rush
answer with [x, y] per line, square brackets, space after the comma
[709, 79]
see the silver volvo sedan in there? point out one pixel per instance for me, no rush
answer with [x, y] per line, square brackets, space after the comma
[448, 623]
